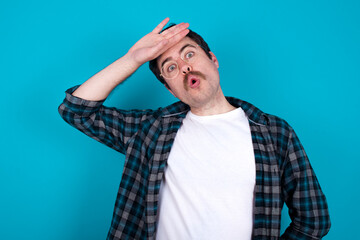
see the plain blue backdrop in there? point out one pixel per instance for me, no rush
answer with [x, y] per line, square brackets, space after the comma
[299, 60]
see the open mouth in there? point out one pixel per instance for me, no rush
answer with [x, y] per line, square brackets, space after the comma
[193, 81]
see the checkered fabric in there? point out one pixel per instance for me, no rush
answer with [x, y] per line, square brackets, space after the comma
[283, 171]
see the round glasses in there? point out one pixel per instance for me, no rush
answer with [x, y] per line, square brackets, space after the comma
[170, 68]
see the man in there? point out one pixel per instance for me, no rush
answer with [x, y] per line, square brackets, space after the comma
[208, 167]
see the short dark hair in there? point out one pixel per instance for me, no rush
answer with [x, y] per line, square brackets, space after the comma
[193, 36]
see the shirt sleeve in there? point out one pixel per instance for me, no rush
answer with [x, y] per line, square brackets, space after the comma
[110, 126]
[307, 204]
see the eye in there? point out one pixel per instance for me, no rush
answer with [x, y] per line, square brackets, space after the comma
[171, 68]
[189, 54]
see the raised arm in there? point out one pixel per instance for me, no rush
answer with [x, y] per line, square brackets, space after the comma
[99, 86]
[82, 107]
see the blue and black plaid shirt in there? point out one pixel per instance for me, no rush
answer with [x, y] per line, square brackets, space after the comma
[283, 171]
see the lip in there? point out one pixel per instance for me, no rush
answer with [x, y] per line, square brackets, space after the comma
[193, 81]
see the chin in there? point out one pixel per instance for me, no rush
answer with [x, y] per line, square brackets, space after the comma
[198, 102]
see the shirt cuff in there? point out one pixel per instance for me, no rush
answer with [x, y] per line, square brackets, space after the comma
[79, 105]
[294, 234]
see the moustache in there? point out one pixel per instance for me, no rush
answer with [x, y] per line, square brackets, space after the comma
[194, 73]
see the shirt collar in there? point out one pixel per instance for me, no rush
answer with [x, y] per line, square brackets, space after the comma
[253, 113]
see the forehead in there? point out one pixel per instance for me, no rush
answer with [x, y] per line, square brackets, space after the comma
[174, 50]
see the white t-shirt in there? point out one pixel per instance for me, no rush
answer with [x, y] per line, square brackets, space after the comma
[208, 186]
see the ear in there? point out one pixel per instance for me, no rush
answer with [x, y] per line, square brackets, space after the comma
[214, 59]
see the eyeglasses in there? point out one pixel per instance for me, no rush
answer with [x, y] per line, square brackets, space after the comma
[170, 68]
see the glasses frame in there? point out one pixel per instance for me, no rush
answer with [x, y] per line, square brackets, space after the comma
[161, 70]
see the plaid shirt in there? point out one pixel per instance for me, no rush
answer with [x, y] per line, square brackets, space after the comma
[283, 171]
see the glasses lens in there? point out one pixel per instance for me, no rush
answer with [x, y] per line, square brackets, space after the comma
[189, 54]
[170, 69]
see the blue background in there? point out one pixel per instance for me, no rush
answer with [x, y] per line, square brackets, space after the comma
[296, 59]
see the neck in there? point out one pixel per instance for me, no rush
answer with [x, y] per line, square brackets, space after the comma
[217, 105]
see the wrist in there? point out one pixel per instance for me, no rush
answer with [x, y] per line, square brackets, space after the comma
[130, 63]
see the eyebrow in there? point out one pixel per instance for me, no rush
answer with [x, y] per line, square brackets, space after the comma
[181, 49]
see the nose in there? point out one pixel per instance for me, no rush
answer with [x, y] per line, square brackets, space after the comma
[185, 68]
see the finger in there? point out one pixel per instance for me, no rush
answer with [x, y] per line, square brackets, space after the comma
[177, 38]
[168, 33]
[165, 44]
[161, 25]
[179, 28]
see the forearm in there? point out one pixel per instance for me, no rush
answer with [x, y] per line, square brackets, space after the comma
[99, 86]
[303, 195]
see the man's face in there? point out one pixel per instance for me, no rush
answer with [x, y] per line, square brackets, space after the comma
[197, 82]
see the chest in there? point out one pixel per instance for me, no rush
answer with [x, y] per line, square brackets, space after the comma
[212, 150]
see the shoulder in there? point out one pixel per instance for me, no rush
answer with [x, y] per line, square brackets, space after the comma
[254, 114]
[278, 129]
[177, 108]
[163, 115]
[278, 125]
